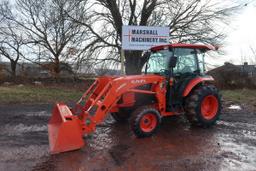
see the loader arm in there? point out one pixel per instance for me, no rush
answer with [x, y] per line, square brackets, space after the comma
[67, 127]
[103, 98]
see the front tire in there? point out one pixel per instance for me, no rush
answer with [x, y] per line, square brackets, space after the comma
[145, 121]
[203, 106]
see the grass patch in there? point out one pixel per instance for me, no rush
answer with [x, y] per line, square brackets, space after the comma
[37, 94]
[42, 94]
[240, 96]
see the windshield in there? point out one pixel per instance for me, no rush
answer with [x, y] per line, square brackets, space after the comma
[158, 61]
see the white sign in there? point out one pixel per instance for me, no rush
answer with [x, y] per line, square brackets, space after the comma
[143, 37]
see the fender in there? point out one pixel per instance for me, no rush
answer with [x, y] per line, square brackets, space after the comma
[195, 82]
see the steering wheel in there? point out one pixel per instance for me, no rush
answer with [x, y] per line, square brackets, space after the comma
[178, 74]
[164, 72]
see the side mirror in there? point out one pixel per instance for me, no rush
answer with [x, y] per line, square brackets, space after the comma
[173, 62]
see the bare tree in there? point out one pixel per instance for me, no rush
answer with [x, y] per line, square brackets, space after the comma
[47, 27]
[89, 31]
[253, 50]
[189, 21]
[11, 45]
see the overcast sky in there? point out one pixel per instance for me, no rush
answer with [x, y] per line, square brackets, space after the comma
[241, 37]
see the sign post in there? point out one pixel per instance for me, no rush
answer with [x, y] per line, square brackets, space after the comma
[142, 38]
[122, 62]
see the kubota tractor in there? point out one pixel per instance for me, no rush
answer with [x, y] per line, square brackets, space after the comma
[173, 83]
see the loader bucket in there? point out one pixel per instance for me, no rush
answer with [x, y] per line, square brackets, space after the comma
[64, 130]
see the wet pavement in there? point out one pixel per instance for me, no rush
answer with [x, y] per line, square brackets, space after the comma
[230, 145]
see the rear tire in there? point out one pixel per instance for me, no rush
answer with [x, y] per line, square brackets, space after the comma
[203, 106]
[145, 121]
[122, 115]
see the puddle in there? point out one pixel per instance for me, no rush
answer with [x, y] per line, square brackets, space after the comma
[235, 153]
[23, 153]
[21, 128]
[101, 139]
[39, 113]
[234, 107]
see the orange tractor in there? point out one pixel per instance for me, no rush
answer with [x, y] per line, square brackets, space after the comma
[173, 82]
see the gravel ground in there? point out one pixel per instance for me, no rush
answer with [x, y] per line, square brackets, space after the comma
[230, 145]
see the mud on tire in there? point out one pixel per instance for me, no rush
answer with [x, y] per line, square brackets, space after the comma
[145, 121]
[203, 106]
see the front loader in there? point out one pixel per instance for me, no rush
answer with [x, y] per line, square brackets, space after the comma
[173, 83]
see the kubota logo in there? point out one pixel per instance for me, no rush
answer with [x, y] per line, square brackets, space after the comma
[138, 81]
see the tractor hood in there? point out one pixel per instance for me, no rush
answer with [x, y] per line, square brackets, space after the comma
[134, 79]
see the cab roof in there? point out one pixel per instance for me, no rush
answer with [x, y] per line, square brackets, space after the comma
[183, 45]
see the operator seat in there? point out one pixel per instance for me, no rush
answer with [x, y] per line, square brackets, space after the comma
[176, 90]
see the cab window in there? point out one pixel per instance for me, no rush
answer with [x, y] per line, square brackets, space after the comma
[186, 61]
[158, 61]
[200, 56]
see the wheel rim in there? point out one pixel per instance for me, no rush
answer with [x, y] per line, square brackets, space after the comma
[209, 107]
[148, 122]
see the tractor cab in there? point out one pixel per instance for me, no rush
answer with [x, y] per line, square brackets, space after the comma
[179, 63]
[179, 60]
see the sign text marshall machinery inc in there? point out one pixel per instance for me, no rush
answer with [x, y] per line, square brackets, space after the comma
[143, 37]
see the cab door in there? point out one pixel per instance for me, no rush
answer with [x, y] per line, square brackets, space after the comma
[186, 69]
